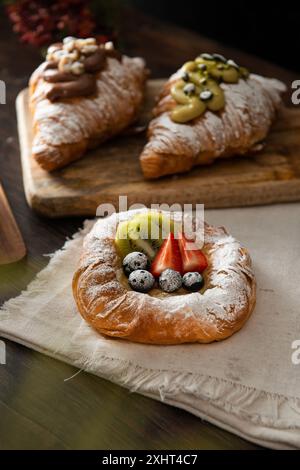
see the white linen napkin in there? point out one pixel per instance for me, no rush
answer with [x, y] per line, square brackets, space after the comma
[248, 384]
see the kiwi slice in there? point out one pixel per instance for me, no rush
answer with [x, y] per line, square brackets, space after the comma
[148, 247]
[152, 225]
[144, 232]
[122, 241]
[126, 245]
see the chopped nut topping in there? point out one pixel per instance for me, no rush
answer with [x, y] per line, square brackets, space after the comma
[89, 49]
[71, 54]
[70, 45]
[109, 45]
[68, 39]
[57, 55]
[90, 41]
[80, 43]
[77, 68]
[53, 48]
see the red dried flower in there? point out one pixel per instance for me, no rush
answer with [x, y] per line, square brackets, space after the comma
[39, 22]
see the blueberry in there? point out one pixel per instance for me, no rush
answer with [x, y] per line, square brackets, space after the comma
[192, 281]
[141, 280]
[134, 261]
[170, 280]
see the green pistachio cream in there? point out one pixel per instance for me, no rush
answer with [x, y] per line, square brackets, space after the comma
[199, 89]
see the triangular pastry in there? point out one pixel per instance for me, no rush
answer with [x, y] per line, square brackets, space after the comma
[82, 95]
[211, 108]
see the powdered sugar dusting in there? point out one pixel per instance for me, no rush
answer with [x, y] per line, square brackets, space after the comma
[249, 111]
[229, 279]
[119, 95]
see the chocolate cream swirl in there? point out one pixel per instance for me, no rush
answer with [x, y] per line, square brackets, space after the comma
[71, 78]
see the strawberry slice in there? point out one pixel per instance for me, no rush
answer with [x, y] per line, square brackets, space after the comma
[168, 256]
[193, 260]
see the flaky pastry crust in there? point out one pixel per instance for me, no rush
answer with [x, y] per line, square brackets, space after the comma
[64, 130]
[107, 303]
[250, 109]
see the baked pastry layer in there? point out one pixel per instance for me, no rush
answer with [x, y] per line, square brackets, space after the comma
[105, 300]
[64, 130]
[240, 128]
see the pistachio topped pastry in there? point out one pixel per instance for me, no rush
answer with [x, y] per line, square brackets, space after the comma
[198, 87]
[209, 109]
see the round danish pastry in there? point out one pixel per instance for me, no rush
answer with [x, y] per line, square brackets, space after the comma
[156, 289]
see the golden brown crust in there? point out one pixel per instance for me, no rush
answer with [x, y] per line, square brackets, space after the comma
[112, 308]
[155, 163]
[63, 131]
[239, 129]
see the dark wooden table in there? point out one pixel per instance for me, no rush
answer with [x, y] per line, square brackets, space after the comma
[38, 410]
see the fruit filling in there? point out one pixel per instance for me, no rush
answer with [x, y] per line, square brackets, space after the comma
[156, 255]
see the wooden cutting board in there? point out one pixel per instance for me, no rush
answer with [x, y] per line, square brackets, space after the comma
[271, 176]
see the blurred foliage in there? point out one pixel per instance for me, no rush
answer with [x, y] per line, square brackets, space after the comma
[41, 22]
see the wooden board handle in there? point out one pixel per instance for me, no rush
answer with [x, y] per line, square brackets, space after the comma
[12, 247]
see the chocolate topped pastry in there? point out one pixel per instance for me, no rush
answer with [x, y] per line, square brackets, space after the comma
[72, 66]
[82, 95]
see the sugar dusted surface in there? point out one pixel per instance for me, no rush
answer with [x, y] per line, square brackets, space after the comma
[226, 279]
[249, 111]
[69, 122]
